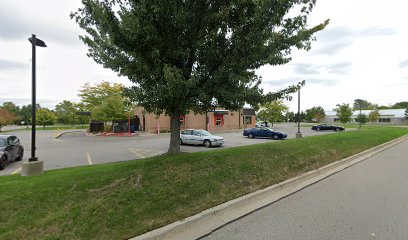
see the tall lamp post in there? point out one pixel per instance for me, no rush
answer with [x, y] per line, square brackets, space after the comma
[33, 166]
[298, 134]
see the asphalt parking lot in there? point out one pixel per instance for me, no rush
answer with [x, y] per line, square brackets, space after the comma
[78, 149]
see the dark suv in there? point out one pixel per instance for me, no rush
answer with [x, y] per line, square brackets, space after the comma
[10, 150]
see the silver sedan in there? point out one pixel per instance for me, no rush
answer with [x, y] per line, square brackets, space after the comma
[200, 137]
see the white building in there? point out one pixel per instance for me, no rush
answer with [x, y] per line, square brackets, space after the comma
[390, 116]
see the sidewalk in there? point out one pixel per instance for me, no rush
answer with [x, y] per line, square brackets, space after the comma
[209, 220]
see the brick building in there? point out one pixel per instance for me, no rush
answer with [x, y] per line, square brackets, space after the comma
[218, 120]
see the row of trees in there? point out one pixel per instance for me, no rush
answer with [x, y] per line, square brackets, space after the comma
[105, 101]
[366, 105]
[344, 113]
[277, 111]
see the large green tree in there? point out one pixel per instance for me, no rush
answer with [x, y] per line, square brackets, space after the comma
[186, 55]
[105, 101]
[315, 114]
[45, 117]
[374, 116]
[66, 112]
[365, 105]
[25, 114]
[344, 113]
[272, 111]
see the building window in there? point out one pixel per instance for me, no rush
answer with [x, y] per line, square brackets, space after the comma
[218, 120]
[247, 120]
[386, 120]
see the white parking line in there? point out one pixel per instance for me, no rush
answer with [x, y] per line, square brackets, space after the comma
[16, 171]
[153, 154]
[89, 158]
[133, 151]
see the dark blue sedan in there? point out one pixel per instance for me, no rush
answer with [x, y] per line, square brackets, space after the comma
[264, 133]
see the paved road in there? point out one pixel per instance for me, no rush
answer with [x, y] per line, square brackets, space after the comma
[367, 201]
[76, 149]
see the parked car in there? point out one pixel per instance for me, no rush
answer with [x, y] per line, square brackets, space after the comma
[10, 150]
[264, 133]
[263, 124]
[200, 137]
[326, 126]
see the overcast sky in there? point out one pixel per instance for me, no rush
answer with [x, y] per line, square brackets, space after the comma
[363, 53]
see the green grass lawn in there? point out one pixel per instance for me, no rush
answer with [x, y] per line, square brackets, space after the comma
[53, 127]
[122, 200]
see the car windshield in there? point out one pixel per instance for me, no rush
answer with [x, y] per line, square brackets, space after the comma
[2, 142]
[205, 133]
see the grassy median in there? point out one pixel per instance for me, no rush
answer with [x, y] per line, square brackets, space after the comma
[122, 200]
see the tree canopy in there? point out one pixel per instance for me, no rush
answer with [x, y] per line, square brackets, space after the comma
[13, 109]
[191, 55]
[273, 111]
[365, 105]
[400, 105]
[66, 112]
[374, 116]
[45, 117]
[6, 117]
[315, 114]
[344, 113]
[362, 118]
[105, 101]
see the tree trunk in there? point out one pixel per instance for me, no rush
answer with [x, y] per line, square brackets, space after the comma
[174, 147]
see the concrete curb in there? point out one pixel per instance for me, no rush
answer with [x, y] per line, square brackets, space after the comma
[214, 218]
[58, 135]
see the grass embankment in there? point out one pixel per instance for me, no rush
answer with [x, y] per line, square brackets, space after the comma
[122, 200]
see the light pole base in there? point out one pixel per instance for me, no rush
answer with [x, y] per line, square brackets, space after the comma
[32, 168]
[298, 135]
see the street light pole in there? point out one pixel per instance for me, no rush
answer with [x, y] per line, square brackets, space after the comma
[33, 100]
[33, 166]
[298, 134]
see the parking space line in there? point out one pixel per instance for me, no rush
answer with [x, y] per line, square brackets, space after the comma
[153, 154]
[145, 150]
[89, 158]
[16, 171]
[133, 151]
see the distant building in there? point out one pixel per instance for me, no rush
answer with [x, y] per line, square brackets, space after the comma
[217, 120]
[387, 116]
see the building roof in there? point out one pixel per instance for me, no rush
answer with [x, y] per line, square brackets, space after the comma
[393, 113]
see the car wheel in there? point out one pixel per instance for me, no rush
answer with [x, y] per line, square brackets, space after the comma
[181, 142]
[207, 143]
[275, 137]
[250, 135]
[20, 155]
[336, 129]
[317, 129]
[3, 161]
